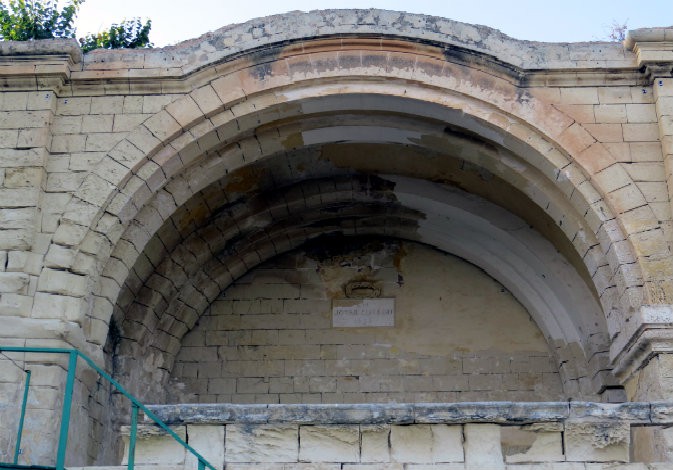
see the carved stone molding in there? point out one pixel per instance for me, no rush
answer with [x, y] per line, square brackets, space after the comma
[362, 289]
[648, 333]
[654, 51]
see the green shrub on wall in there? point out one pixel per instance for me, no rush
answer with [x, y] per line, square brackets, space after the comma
[131, 34]
[25, 20]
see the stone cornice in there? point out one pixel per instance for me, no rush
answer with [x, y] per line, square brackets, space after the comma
[654, 50]
[179, 79]
[65, 48]
[428, 413]
[649, 332]
[38, 65]
[48, 63]
[292, 27]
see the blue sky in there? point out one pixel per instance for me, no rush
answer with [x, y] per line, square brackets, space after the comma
[538, 20]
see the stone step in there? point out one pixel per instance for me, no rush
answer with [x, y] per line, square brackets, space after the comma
[398, 466]
[497, 435]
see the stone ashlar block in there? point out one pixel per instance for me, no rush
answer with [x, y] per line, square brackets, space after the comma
[18, 197]
[281, 466]
[17, 218]
[482, 446]
[16, 305]
[23, 177]
[380, 466]
[16, 239]
[154, 446]
[426, 443]
[58, 306]
[337, 443]
[374, 443]
[61, 282]
[13, 282]
[610, 113]
[262, 443]
[207, 440]
[597, 442]
[532, 443]
[640, 132]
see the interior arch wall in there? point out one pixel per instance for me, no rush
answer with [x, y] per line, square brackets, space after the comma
[190, 133]
[457, 334]
[128, 149]
[155, 336]
[140, 237]
[113, 162]
[207, 171]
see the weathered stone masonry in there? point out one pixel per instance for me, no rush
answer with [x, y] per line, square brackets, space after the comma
[188, 216]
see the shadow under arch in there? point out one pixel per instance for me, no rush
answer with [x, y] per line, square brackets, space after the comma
[202, 242]
[443, 217]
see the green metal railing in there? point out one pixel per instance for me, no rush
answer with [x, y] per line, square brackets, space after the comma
[73, 355]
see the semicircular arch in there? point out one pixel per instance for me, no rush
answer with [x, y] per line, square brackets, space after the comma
[186, 135]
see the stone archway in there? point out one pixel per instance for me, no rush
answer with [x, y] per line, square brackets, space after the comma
[260, 175]
[422, 132]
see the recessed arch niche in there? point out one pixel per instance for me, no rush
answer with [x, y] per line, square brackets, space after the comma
[447, 181]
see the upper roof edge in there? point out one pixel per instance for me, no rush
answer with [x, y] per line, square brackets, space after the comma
[295, 26]
[232, 40]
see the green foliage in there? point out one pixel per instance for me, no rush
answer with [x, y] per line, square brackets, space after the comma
[131, 34]
[23, 20]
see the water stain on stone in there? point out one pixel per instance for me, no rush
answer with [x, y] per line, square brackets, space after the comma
[245, 179]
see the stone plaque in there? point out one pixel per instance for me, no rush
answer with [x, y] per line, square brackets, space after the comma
[358, 313]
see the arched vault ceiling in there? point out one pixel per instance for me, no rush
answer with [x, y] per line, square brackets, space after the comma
[259, 180]
[282, 201]
[432, 148]
[226, 146]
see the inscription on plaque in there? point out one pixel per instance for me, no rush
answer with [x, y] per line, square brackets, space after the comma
[358, 313]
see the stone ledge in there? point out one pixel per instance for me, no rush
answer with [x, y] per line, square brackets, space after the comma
[42, 48]
[259, 33]
[296, 25]
[395, 466]
[648, 333]
[661, 34]
[654, 50]
[422, 413]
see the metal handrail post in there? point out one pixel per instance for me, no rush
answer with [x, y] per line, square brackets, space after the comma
[67, 402]
[132, 437]
[145, 410]
[67, 406]
[17, 450]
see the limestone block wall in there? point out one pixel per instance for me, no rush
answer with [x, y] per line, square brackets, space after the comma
[458, 335]
[468, 435]
[386, 446]
[141, 190]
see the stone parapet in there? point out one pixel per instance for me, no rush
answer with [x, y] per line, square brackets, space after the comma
[234, 40]
[457, 435]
